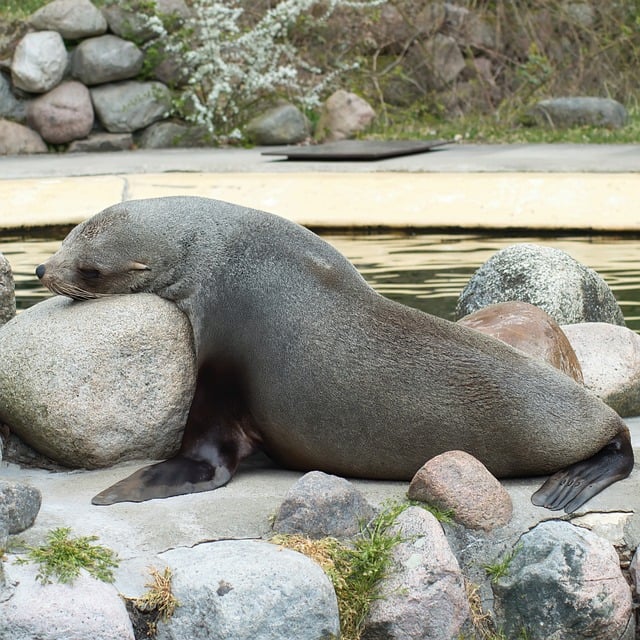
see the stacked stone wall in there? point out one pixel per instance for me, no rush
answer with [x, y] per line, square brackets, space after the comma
[77, 77]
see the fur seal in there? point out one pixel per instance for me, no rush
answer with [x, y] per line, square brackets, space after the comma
[299, 356]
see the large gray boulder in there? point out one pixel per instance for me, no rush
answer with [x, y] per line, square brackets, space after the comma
[19, 506]
[39, 61]
[16, 139]
[423, 596]
[580, 111]
[545, 277]
[321, 505]
[10, 106]
[444, 61]
[249, 590]
[85, 609]
[284, 124]
[128, 23]
[563, 582]
[89, 384]
[72, 19]
[63, 114]
[610, 359]
[105, 59]
[166, 134]
[7, 287]
[128, 106]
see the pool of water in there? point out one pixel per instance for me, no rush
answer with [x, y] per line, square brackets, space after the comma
[427, 271]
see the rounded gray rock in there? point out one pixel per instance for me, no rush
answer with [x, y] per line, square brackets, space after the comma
[10, 106]
[19, 505]
[320, 505]
[7, 289]
[580, 111]
[444, 60]
[92, 383]
[135, 25]
[85, 609]
[63, 114]
[72, 19]
[249, 590]
[105, 59]
[610, 359]
[165, 135]
[545, 277]
[563, 582]
[284, 124]
[127, 106]
[39, 61]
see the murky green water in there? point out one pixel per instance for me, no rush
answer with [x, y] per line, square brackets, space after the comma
[427, 271]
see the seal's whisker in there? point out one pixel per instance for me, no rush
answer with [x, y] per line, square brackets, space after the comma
[72, 291]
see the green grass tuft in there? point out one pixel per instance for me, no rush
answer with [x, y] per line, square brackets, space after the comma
[355, 570]
[500, 569]
[62, 557]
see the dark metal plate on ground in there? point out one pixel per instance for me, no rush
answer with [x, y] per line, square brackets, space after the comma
[357, 149]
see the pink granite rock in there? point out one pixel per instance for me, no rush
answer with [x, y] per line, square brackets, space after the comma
[459, 482]
[63, 114]
[344, 114]
[16, 138]
[530, 329]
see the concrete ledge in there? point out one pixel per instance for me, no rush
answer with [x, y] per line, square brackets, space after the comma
[539, 201]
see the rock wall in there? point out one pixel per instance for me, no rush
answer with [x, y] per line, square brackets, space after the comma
[459, 57]
[74, 78]
[81, 78]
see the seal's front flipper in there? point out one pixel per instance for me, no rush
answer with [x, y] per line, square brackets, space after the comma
[173, 477]
[571, 488]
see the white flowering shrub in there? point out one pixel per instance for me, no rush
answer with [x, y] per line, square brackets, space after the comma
[232, 63]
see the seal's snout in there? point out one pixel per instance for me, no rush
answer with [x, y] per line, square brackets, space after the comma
[40, 270]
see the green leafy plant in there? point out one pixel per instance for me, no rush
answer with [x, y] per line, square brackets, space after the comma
[62, 557]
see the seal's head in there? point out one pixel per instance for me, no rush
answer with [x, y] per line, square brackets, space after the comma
[113, 252]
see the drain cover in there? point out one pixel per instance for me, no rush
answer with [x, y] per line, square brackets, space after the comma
[357, 149]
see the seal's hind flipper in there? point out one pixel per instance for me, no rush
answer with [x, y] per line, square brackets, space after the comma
[173, 477]
[571, 488]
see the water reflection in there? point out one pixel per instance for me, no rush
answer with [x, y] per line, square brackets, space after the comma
[427, 271]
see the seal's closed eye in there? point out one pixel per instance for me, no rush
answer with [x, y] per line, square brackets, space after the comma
[89, 274]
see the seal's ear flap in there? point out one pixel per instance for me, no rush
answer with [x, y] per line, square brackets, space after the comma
[138, 266]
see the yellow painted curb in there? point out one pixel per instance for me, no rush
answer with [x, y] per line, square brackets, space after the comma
[49, 201]
[603, 202]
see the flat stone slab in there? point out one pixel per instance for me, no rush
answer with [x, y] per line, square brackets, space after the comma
[357, 149]
[242, 509]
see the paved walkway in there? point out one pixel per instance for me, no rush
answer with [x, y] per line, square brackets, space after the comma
[564, 186]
